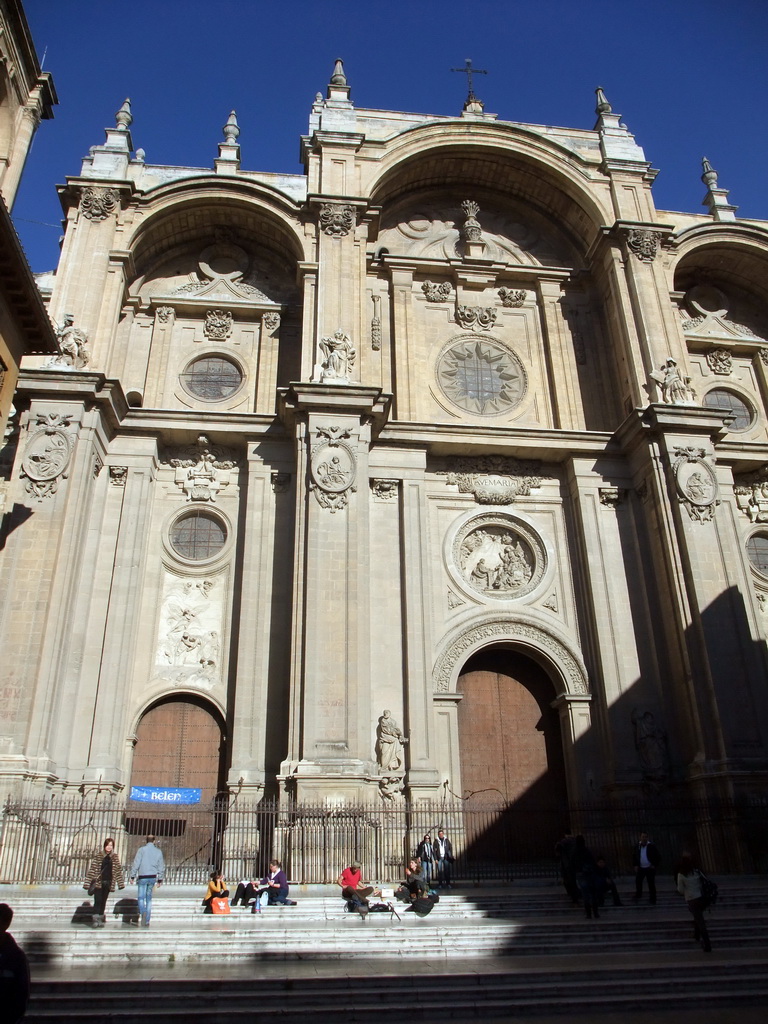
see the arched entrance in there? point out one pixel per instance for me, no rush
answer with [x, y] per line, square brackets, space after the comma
[511, 758]
[179, 743]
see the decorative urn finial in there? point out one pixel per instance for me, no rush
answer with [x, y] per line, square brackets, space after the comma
[231, 129]
[709, 177]
[338, 77]
[124, 117]
[603, 106]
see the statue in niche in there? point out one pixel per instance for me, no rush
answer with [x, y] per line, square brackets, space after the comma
[339, 357]
[651, 746]
[390, 744]
[675, 388]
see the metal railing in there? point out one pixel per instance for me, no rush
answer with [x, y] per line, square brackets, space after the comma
[53, 841]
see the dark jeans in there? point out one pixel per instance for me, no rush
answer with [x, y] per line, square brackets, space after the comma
[444, 871]
[650, 874]
[357, 896]
[100, 899]
[700, 933]
[244, 894]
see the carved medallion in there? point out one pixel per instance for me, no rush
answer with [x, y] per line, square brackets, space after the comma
[98, 203]
[385, 490]
[751, 492]
[337, 219]
[47, 455]
[480, 317]
[481, 376]
[165, 314]
[696, 483]
[218, 324]
[202, 469]
[499, 557]
[271, 321]
[332, 468]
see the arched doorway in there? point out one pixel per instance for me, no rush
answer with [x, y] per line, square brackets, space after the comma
[179, 743]
[512, 765]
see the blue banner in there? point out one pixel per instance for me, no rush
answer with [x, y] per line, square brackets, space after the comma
[161, 795]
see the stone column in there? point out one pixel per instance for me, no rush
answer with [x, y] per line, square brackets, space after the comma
[574, 725]
[564, 391]
[331, 753]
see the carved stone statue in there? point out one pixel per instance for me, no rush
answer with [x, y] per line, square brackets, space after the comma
[390, 744]
[72, 342]
[339, 357]
[675, 388]
[651, 745]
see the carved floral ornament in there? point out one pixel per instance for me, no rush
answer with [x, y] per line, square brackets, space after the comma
[98, 203]
[493, 479]
[47, 454]
[498, 556]
[165, 314]
[695, 483]
[332, 468]
[527, 634]
[434, 292]
[512, 298]
[476, 317]
[337, 219]
[271, 321]
[720, 361]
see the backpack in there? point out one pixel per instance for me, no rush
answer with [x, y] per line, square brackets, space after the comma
[709, 890]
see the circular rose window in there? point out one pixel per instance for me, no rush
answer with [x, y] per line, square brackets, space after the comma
[499, 557]
[481, 376]
[212, 378]
[723, 400]
[198, 536]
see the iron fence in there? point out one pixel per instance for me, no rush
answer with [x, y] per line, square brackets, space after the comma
[53, 841]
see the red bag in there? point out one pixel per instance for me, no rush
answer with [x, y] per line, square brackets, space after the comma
[220, 905]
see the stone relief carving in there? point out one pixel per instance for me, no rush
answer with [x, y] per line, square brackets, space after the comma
[695, 483]
[436, 292]
[720, 361]
[751, 492]
[512, 298]
[476, 317]
[642, 490]
[271, 321]
[537, 636]
[493, 479]
[651, 746]
[337, 219]
[612, 496]
[98, 203]
[498, 556]
[202, 469]
[764, 356]
[551, 603]
[481, 376]
[165, 314]
[98, 464]
[471, 230]
[47, 454]
[332, 468]
[644, 244]
[385, 490]
[675, 388]
[338, 358]
[218, 324]
[73, 342]
[118, 475]
[188, 648]
[705, 315]
[376, 324]
[454, 601]
[221, 269]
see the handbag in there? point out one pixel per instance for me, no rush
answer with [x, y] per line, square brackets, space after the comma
[220, 905]
[95, 885]
[709, 890]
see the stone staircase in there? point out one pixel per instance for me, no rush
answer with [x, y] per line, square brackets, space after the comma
[517, 952]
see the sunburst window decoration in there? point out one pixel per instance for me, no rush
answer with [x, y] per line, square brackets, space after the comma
[481, 376]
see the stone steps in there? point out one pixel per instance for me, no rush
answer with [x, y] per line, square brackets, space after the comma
[379, 995]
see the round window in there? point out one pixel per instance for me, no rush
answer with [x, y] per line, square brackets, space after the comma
[212, 378]
[482, 377]
[198, 536]
[723, 400]
[757, 552]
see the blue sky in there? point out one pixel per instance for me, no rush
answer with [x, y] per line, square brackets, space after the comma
[689, 78]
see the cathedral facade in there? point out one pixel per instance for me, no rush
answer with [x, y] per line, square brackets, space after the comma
[439, 468]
